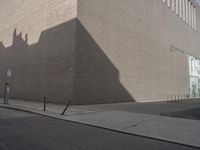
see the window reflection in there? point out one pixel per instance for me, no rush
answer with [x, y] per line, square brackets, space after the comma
[194, 73]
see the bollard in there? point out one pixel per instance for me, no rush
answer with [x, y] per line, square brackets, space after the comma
[66, 108]
[187, 97]
[167, 98]
[44, 104]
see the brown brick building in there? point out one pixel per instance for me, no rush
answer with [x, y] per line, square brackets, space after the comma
[100, 51]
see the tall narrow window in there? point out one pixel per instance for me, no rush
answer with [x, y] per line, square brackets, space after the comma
[195, 19]
[173, 5]
[186, 12]
[189, 14]
[180, 8]
[177, 7]
[192, 15]
[183, 2]
[168, 3]
[185, 9]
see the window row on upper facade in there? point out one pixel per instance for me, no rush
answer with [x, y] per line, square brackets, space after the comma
[185, 9]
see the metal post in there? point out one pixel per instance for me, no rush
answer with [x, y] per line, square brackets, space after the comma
[66, 108]
[44, 104]
[187, 96]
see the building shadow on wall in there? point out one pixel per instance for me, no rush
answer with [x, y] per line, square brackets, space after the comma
[66, 63]
[40, 69]
[96, 77]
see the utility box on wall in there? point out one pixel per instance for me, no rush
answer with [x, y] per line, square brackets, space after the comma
[7, 91]
[7, 86]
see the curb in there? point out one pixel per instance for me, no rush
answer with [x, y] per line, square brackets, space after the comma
[114, 130]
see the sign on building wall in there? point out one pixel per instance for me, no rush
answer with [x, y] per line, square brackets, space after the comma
[9, 73]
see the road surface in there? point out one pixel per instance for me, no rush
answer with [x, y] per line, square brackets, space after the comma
[24, 131]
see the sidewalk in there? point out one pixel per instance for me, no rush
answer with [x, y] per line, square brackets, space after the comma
[134, 118]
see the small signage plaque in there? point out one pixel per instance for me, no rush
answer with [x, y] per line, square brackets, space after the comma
[9, 73]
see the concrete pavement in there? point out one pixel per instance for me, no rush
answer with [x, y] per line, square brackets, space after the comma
[135, 118]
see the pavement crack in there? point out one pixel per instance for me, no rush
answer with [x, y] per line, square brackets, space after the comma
[136, 124]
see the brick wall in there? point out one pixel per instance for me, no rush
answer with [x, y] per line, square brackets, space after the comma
[38, 41]
[136, 37]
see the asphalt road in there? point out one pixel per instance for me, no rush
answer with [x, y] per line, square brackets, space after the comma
[24, 131]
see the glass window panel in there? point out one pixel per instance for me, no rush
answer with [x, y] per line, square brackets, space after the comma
[194, 75]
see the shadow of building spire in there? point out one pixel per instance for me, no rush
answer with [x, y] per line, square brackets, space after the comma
[65, 64]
